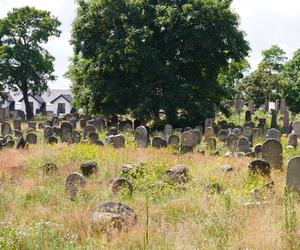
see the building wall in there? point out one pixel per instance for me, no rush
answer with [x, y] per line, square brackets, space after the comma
[36, 105]
[61, 100]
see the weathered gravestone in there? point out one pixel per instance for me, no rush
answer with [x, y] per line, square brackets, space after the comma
[187, 142]
[31, 138]
[168, 131]
[76, 136]
[32, 125]
[286, 122]
[141, 137]
[18, 133]
[17, 124]
[82, 123]
[48, 132]
[273, 134]
[127, 127]
[55, 121]
[293, 174]
[247, 116]
[52, 140]
[257, 133]
[247, 132]
[73, 181]
[238, 103]
[258, 150]
[177, 174]
[292, 140]
[209, 123]
[243, 145]
[121, 184]
[260, 167]
[5, 129]
[73, 121]
[237, 131]
[209, 132]
[117, 141]
[112, 131]
[159, 142]
[282, 106]
[296, 127]
[251, 106]
[212, 143]
[223, 134]
[197, 136]
[89, 168]
[174, 140]
[272, 152]
[231, 142]
[93, 136]
[88, 129]
[261, 123]
[66, 132]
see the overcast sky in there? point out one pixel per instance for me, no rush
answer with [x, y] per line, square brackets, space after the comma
[266, 22]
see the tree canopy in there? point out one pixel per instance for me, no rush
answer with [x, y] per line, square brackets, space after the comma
[146, 56]
[24, 64]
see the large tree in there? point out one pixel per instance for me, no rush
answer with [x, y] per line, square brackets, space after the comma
[265, 83]
[147, 56]
[291, 74]
[25, 65]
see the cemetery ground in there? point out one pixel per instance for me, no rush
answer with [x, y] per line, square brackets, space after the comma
[218, 205]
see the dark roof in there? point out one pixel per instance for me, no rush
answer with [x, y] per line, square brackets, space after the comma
[68, 98]
[8, 97]
[36, 97]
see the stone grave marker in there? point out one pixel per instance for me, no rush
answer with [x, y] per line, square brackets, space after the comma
[273, 134]
[141, 137]
[6, 129]
[293, 174]
[231, 142]
[159, 142]
[272, 153]
[187, 142]
[31, 138]
[292, 140]
[66, 131]
[243, 145]
[73, 181]
[174, 140]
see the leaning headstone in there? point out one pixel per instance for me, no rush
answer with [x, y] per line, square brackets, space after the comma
[73, 181]
[31, 138]
[66, 132]
[273, 134]
[293, 174]
[141, 137]
[159, 142]
[292, 140]
[187, 142]
[174, 140]
[243, 145]
[296, 127]
[272, 152]
[6, 129]
[232, 142]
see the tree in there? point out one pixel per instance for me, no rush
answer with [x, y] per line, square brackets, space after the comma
[147, 56]
[25, 66]
[291, 74]
[265, 83]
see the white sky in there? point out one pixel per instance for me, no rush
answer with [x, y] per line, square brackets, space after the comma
[266, 22]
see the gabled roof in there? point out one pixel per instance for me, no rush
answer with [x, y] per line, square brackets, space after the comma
[36, 97]
[68, 98]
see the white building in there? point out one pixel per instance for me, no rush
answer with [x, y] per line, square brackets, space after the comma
[62, 104]
[37, 104]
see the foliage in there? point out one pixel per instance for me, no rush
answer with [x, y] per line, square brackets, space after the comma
[265, 83]
[24, 64]
[291, 74]
[147, 56]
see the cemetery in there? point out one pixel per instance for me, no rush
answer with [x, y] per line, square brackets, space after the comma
[86, 178]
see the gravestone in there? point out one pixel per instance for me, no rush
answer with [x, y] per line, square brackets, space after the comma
[243, 145]
[282, 106]
[274, 118]
[261, 123]
[168, 131]
[32, 125]
[209, 123]
[238, 104]
[31, 138]
[76, 136]
[296, 127]
[187, 142]
[41, 125]
[17, 124]
[251, 106]
[73, 121]
[209, 132]
[5, 129]
[273, 134]
[141, 137]
[292, 140]
[260, 167]
[66, 132]
[247, 132]
[128, 127]
[197, 136]
[82, 123]
[48, 131]
[68, 117]
[237, 131]
[55, 121]
[272, 153]
[277, 105]
[231, 142]
[118, 141]
[159, 142]
[174, 140]
[286, 122]
[258, 150]
[121, 184]
[52, 140]
[257, 133]
[89, 168]
[93, 136]
[293, 174]
[47, 123]
[112, 131]
[73, 181]
[223, 133]
[18, 133]
[88, 129]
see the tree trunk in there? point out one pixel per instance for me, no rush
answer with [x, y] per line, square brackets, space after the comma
[29, 112]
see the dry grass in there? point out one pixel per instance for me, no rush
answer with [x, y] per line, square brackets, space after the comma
[36, 214]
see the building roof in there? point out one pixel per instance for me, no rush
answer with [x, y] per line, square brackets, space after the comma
[36, 97]
[68, 98]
